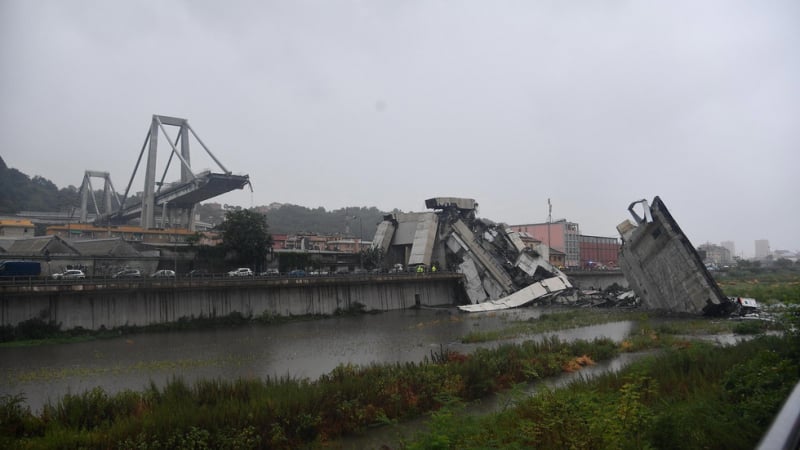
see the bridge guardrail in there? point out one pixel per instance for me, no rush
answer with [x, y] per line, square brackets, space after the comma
[31, 282]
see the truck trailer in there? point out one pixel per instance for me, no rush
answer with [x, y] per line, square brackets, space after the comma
[20, 269]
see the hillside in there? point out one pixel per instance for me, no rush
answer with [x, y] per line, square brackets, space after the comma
[20, 192]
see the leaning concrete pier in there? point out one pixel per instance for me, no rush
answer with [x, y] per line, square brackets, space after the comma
[99, 304]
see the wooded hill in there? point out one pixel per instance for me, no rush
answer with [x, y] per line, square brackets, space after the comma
[20, 192]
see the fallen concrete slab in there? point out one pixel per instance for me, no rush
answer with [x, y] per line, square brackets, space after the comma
[522, 297]
[663, 267]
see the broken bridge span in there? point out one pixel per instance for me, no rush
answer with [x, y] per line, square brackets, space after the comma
[177, 200]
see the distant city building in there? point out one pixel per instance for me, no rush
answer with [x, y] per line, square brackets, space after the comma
[762, 248]
[353, 245]
[715, 254]
[16, 228]
[562, 236]
[731, 246]
[529, 240]
[597, 252]
[307, 242]
[99, 257]
[279, 241]
[76, 231]
[786, 254]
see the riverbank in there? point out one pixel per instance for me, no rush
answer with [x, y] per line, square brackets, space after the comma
[693, 396]
[34, 332]
[286, 412]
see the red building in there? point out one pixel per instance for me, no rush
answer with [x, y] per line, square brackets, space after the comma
[279, 241]
[559, 235]
[598, 252]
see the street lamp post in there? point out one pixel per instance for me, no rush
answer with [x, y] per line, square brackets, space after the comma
[360, 242]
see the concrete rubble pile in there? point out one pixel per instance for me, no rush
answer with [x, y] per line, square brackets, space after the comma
[663, 268]
[500, 272]
[609, 298]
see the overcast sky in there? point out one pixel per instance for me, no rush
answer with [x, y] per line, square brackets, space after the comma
[386, 103]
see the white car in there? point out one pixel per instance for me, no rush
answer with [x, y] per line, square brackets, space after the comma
[163, 274]
[72, 274]
[241, 272]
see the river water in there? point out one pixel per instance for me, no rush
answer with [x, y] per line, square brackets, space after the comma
[304, 349]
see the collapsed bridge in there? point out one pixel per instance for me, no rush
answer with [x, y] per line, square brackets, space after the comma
[499, 270]
[177, 200]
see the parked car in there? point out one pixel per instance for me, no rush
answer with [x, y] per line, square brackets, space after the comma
[297, 273]
[241, 272]
[128, 273]
[198, 273]
[71, 274]
[270, 273]
[163, 274]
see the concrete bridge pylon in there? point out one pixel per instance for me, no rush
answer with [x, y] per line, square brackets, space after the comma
[177, 200]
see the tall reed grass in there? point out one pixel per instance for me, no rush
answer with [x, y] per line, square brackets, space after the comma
[699, 396]
[286, 412]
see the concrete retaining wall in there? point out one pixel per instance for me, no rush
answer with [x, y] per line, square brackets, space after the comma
[597, 279]
[156, 303]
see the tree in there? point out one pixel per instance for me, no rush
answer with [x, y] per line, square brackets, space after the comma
[244, 232]
[372, 258]
[194, 239]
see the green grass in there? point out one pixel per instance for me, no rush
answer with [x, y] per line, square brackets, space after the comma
[287, 412]
[561, 320]
[766, 288]
[700, 396]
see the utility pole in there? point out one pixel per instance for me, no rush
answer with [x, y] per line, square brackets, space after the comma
[549, 223]
[360, 241]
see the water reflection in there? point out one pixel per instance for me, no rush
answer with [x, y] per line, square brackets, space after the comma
[299, 349]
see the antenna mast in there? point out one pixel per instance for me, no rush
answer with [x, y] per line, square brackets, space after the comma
[549, 223]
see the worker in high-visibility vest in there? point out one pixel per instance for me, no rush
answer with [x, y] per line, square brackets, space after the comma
[433, 268]
[420, 269]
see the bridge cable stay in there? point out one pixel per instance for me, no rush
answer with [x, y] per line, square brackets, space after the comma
[182, 196]
[226, 171]
[174, 149]
[135, 168]
[169, 162]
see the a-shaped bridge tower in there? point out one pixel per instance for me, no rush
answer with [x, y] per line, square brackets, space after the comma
[176, 200]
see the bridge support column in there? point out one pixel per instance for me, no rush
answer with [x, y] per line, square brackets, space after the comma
[148, 201]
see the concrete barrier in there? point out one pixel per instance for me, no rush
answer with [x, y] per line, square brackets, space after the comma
[147, 302]
[597, 279]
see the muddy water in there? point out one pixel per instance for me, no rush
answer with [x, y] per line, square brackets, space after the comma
[300, 349]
